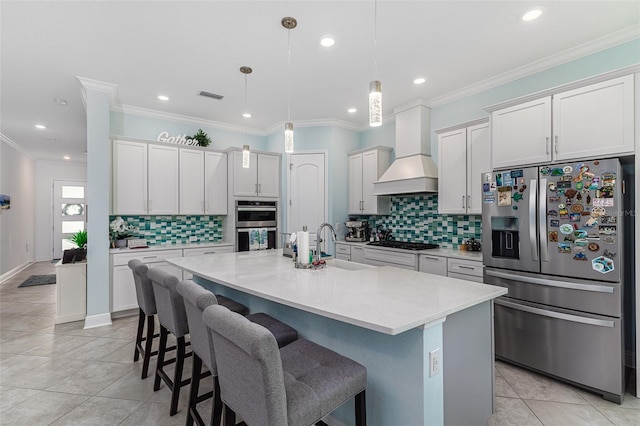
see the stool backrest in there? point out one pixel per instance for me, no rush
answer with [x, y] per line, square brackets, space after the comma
[249, 367]
[196, 300]
[144, 288]
[169, 303]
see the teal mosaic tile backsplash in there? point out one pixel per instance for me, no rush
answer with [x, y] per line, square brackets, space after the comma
[416, 219]
[159, 230]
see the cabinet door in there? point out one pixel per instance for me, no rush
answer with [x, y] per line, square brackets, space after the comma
[521, 134]
[357, 254]
[191, 181]
[355, 184]
[433, 265]
[129, 177]
[268, 175]
[123, 289]
[163, 179]
[595, 120]
[478, 162]
[215, 183]
[245, 181]
[370, 174]
[452, 172]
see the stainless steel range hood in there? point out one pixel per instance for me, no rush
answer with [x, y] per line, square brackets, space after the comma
[413, 170]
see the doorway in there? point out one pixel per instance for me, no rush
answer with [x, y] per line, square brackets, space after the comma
[69, 213]
[307, 193]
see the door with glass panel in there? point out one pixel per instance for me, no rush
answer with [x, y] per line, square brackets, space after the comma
[69, 213]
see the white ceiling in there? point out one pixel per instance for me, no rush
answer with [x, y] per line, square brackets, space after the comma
[176, 48]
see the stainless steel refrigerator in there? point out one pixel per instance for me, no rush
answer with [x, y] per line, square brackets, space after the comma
[553, 235]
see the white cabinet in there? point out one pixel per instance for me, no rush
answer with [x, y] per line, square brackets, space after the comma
[365, 168]
[145, 178]
[385, 257]
[463, 155]
[343, 251]
[351, 252]
[436, 265]
[260, 179]
[123, 290]
[470, 270]
[163, 179]
[357, 254]
[203, 182]
[129, 178]
[209, 251]
[71, 292]
[595, 120]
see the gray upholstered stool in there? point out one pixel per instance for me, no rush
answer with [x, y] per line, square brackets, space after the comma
[147, 312]
[296, 385]
[196, 300]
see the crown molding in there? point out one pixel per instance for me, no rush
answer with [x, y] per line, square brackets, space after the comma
[98, 86]
[585, 49]
[6, 139]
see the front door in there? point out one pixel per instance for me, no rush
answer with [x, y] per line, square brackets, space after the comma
[69, 213]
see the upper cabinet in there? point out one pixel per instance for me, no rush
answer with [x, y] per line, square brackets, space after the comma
[464, 153]
[203, 182]
[150, 179]
[145, 178]
[260, 179]
[365, 168]
[596, 120]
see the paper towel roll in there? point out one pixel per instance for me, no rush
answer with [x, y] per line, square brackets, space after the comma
[303, 247]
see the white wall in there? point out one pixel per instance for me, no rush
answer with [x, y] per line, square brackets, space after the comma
[46, 173]
[17, 179]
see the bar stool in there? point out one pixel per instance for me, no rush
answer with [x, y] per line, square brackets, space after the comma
[296, 385]
[147, 312]
[196, 300]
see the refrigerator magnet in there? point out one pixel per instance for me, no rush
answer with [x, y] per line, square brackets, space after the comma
[579, 186]
[607, 230]
[609, 253]
[609, 240]
[552, 186]
[499, 179]
[517, 196]
[608, 179]
[593, 247]
[602, 264]
[553, 236]
[580, 256]
[552, 213]
[564, 248]
[545, 171]
[554, 223]
[557, 172]
[554, 199]
[564, 213]
[581, 242]
[566, 228]
[592, 222]
[504, 196]
[518, 173]
[579, 233]
[567, 169]
[575, 217]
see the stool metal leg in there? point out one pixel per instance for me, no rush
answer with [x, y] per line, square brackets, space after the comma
[361, 409]
[216, 409]
[229, 416]
[147, 346]
[177, 375]
[136, 352]
[192, 413]
[160, 361]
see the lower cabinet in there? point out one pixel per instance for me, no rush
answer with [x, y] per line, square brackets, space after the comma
[343, 251]
[384, 257]
[436, 265]
[351, 252]
[123, 290]
[452, 267]
[357, 254]
[71, 291]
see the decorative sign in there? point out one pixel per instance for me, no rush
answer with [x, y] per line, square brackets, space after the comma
[180, 139]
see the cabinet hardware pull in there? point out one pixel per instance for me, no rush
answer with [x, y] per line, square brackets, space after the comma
[259, 188]
[468, 201]
[256, 188]
[556, 147]
[149, 257]
[209, 252]
[547, 144]
[432, 258]
[463, 201]
[466, 267]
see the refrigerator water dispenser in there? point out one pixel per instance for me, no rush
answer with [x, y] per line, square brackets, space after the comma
[505, 241]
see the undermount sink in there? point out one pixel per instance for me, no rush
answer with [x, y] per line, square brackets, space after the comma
[346, 265]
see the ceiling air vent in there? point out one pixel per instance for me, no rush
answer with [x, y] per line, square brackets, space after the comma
[211, 95]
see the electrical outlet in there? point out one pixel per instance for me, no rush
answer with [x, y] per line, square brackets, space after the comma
[193, 238]
[434, 362]
[338, 227]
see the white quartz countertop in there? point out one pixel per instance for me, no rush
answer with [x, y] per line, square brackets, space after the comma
[385, 299]
[168, 247]
[444, 252]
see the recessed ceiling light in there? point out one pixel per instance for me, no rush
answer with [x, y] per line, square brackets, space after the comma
[66, 157]
[60, 101]
[163, 97]
[533, 13]
[246, 115]
[419, 80]
[352, 110]
[327, 41]
[40, 126]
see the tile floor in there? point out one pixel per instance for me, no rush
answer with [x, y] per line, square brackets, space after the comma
[64, 375]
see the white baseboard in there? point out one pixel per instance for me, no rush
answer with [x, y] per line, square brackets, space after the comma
[14, 271]
[93, 321]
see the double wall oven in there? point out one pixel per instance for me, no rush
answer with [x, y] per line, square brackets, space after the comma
[256, 225]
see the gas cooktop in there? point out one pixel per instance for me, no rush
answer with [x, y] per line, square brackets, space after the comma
[404, 245]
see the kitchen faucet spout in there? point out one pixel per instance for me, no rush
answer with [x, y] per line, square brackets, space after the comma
[319, 239]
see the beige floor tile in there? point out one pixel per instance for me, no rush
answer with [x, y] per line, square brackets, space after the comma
[502, 388]
[8, 335]
[155, 414]
[10, 396]
[92, 379]
[97, 348]
[46, 374]
[562, 414]
[41, 409]
[620, 416]
[131, 386]
[513, 412]
[98, 411]
[18, 365]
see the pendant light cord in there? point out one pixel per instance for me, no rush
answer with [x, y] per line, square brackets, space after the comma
[289, 72]
[375, 39]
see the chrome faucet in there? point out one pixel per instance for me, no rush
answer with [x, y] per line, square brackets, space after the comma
[319, 240]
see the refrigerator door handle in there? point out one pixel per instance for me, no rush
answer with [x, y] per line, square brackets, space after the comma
[533, 235]
[552, 283]
[557, 315]
[542, 218]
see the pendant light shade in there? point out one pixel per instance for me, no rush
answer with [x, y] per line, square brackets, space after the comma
[375, 103]
[288, 137]
[246, 157]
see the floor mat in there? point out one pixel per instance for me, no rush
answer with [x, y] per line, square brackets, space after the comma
[39, 280]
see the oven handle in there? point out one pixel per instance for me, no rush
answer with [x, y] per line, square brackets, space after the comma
[256, 209]
[557, 315]
[552, 283]
[246, 230]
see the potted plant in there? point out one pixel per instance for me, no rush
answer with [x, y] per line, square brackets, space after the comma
[120, 231]
[202, 138]
[80, 240]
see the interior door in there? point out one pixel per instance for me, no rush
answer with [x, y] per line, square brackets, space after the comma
[307, 193]
[69, 214]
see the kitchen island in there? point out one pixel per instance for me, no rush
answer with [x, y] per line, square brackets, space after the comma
[390, 320]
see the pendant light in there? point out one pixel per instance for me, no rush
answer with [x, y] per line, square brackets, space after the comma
[288, 23]
[375, 87]
[246, 152]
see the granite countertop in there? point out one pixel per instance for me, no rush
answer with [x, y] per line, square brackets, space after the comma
[169, 247]
[384, 299]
